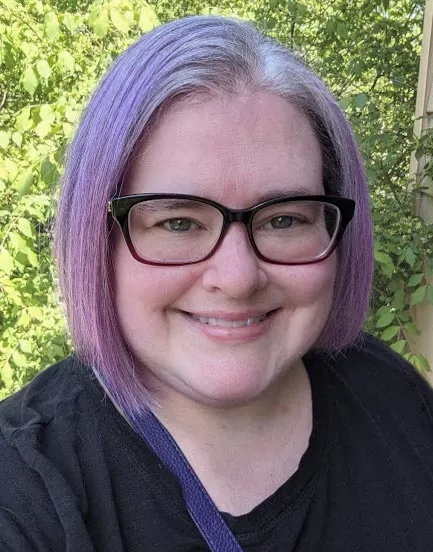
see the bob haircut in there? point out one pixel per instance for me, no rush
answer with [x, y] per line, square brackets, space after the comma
[195, 57]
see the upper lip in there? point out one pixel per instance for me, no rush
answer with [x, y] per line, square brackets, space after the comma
[229, 316]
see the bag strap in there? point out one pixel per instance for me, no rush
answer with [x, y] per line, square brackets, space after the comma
[200, 506]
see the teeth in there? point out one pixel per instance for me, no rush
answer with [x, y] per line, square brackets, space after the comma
[230, 323]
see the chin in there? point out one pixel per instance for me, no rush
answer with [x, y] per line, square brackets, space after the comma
[228, 384]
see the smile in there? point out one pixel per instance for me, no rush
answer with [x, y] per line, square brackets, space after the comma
[232, 328]
[229, 323]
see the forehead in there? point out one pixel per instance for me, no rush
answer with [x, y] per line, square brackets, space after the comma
[233, 149]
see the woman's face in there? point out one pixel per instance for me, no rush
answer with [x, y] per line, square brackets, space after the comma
[236, 151]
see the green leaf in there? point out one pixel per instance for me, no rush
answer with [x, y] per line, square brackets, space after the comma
[399, 346]
[399, 300]
[382, 310]
[68, 21]
[383, 258]
[361, 100]
[24, 121]
[6, 262]
[6, 373]
[415, 279]
[5, 138]
[49, 172]
[421, 363]
[25, 227]
[410, 256]
[418, 295]
[65, 61]
[19, 244]
[47, 114]
[385, 320]
[344, 102]
[25, 182]
[341, 29]
[390, 333]
[119, 21]
[29, 81]
[25, 346]
[51, 26]
[99, 22]
[17, 139]
[301, 10]
[148, 19]
[43, 129]
[44, 69]
[18, 359]
[330, 27]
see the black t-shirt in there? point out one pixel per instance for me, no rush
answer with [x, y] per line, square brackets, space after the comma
[75, 477]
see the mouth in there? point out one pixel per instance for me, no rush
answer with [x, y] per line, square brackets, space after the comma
[231, 320]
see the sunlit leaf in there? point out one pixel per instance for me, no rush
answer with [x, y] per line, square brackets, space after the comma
[24, 121]
[25, 227]
[29, 80]
[5, 138]
[51, 26]
[24, 183]
[43, 129]
[65, 61]
[119, 21]
[147, 19]
[6, 261]
[47, 113]
[25, 346]
[44, 69]
[17, 139]
[68, 21]
[99, 22]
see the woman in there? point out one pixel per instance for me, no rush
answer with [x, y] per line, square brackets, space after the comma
[215, 255]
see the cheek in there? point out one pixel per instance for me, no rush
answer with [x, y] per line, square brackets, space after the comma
[312, 285]
[141, 289]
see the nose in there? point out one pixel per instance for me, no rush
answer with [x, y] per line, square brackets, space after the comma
[234, 268]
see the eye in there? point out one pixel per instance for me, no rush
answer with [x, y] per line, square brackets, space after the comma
[179, 225]
[283, 221]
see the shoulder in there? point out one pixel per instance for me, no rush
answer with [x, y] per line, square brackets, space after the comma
[381, 378]
[370, 356]
[52, 395]
[40, 475]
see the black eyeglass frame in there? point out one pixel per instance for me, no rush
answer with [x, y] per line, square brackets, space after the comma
[119, 208]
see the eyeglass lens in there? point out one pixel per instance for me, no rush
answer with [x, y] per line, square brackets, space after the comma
[184, 230]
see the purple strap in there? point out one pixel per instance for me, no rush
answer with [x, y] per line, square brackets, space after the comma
[200, 506]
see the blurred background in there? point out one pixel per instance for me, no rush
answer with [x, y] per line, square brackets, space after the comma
[52, 53]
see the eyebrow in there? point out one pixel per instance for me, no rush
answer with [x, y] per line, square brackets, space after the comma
[171, 204]
[275, 194]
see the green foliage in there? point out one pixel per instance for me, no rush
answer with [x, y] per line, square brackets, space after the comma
[53, 52]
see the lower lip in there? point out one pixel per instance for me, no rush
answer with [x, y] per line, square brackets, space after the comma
[244, 334]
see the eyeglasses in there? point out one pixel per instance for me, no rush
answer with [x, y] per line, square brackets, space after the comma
[179, 229]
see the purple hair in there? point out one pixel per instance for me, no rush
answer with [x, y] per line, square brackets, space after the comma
[195, 56]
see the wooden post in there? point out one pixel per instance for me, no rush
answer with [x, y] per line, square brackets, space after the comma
[423, 206]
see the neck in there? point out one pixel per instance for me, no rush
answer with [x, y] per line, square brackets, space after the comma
[242, 454]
